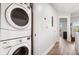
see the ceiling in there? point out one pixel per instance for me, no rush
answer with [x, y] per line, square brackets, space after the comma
[66, 7]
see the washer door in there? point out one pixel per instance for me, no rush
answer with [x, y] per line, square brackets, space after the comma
[18, 16]
[20, 50]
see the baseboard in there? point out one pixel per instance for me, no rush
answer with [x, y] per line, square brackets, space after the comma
[46, 52]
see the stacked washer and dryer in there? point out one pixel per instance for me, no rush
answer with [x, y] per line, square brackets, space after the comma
[15, 29]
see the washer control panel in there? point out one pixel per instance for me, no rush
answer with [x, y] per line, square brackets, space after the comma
[10, 43]
[6, 44]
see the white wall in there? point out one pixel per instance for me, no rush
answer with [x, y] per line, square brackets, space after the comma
[75, 14]
[75, 21]
[46, 35]
[0, 14]
[0, 19]
[68, 16]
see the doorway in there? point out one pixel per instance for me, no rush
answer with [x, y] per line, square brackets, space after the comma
[63, 28]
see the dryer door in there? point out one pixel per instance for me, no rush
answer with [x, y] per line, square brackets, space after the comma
[18, 16]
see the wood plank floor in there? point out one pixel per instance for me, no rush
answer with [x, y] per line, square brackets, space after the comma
[55, 50]
[63, 48]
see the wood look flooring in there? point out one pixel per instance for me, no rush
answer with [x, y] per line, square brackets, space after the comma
[63, 48]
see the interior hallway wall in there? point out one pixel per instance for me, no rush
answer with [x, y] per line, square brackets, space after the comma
[0, 14]
[45, 35]
[0, 20]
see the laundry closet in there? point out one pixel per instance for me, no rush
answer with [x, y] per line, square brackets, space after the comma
[15, 29]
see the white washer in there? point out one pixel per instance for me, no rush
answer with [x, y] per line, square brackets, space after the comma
[19, 46]
[15, 28]
[15, 20]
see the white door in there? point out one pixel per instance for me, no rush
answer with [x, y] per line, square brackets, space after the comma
[42, 28]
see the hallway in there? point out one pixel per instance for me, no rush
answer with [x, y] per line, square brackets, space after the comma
[63, 48]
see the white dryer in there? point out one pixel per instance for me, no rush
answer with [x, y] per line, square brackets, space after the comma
[19, 46]
[15, 20]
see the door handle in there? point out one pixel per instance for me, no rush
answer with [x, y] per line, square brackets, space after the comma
[35, 34]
